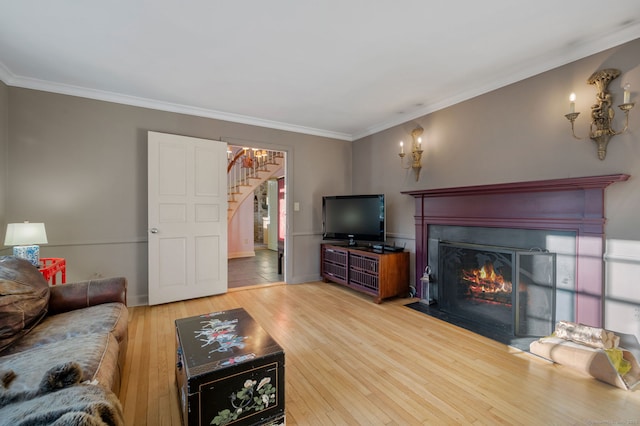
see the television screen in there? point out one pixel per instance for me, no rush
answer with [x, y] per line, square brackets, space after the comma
[353, 217]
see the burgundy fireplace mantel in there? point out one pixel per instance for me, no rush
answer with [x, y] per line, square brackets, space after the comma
[572, 204]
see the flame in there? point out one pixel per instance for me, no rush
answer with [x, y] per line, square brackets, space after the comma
[486, 280]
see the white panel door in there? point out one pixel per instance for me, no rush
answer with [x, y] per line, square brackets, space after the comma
[187, 217]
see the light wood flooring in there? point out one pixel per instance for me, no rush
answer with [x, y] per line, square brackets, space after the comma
[352, 362]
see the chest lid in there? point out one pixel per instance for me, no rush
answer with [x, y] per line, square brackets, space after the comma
[221, 340]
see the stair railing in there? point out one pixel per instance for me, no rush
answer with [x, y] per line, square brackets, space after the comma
[245, 164]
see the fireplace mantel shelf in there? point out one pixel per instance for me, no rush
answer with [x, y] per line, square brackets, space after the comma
[589, 182]
[571, 204]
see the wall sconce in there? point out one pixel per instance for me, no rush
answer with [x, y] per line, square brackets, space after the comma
[601, 112]
[416, 152]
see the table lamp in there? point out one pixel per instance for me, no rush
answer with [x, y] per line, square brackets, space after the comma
[25, 237]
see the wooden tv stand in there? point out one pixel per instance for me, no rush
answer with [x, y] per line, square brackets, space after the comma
[382, 275]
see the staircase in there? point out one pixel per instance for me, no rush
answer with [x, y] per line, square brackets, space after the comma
[246, 170]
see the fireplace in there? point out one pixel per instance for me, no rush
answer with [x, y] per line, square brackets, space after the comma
[509, 289]
[544, 238]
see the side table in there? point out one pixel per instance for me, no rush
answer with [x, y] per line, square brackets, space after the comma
[50, 266]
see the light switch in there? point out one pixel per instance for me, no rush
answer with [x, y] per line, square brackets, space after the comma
[296, 206]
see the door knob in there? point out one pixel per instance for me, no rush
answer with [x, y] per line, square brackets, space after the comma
[154, 230]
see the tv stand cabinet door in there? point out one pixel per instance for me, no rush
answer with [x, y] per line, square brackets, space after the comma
[334, 263]
[383, 275]
[364, 272]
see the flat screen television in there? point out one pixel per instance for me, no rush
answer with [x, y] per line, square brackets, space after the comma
[353, 217]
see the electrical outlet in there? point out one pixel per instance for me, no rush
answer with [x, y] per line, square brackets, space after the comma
[636, 313]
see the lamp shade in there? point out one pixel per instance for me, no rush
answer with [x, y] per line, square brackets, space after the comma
[22, 234]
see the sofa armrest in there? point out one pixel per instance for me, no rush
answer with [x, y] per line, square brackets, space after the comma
[67, 297]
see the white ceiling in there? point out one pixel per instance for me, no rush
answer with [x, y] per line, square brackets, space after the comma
[336, 68]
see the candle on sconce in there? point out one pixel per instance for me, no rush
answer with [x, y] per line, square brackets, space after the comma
[419, 143]
[572, 103]
[401, 147]
[627, 94]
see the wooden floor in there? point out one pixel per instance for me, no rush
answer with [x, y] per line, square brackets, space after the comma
[352, 362]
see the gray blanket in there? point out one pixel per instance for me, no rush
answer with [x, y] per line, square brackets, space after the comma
[61, 401]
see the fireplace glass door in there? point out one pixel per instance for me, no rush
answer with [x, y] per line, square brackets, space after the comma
[507, 290]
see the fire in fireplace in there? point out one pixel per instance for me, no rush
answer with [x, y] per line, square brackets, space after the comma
[486, 284]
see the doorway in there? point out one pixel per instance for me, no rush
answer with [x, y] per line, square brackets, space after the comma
[255, 215]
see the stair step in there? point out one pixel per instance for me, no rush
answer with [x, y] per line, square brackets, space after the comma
[248, 179]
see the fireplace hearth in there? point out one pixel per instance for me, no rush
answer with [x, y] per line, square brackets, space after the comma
[509, 259]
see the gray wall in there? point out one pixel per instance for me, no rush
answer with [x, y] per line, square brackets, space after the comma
[80, 166]
[519, 133]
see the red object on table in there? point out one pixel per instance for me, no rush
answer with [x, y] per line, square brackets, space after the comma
[50, 266]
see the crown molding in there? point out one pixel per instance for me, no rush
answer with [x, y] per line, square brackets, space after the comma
[29, 83]
[5, 75]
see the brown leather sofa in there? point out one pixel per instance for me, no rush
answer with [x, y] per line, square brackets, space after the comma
[85, 324]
